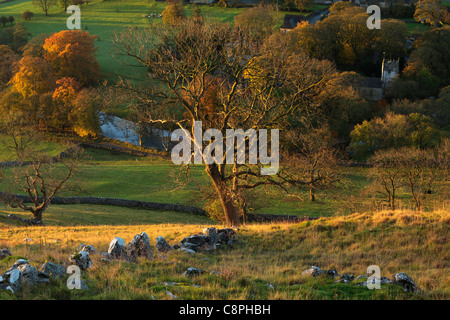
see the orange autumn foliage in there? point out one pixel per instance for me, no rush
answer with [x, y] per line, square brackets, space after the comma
[72, 54]
[66, 91]
[33, 76]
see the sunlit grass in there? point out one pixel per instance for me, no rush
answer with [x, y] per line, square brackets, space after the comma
[103, 18]
[124, 176]
[7, 153]
[274, 254]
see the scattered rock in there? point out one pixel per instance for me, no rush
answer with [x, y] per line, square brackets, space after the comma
[195, 242]
[139, 246]
[4, 253]
[212, 236]
[30, 274]
[382, 280]
[89, 249]
[106, 255]
[187, 250]
[210, 240]
[105, 260]
[405, 281]
[313, 271]
[82, 260]
[11, 281]
[345, 278]
[53, 269]
[162, 245]
[193, 272]
[227, 233]
[232, 242]
[80, 286]
[385, 280]
[330, 273]
[170, 294]
[169, 284]
[117, 248]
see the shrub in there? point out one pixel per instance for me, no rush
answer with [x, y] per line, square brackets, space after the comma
[3, 20]
[27, 15]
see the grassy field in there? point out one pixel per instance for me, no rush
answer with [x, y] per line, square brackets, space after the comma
[117, 175]
[7, 153]
[104, 18]
[353, 231]
[268, 254]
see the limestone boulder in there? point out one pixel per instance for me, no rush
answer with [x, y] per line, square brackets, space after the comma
[139, 246]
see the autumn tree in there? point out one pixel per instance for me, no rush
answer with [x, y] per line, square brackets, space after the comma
[27, 15]
[15, 37]
[74, 108]
[173, 13]
[431, 11]
[33, 76]
[299, 5]
[261, 19]
[258, 86]
[431, 54]
[390, 39]
[72, 55]
[63, 96]
[45, 5]
[341, 104]
[7, 60]
[35, 47]
[327, 38]
[84, 115]
[343, 37]
[340, 6]
[393, 131]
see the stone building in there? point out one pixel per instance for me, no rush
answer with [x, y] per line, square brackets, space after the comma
[373, 89]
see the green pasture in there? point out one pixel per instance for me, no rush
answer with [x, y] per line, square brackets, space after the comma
[104, 18]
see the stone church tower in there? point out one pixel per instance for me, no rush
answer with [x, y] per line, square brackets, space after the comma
[389, 70]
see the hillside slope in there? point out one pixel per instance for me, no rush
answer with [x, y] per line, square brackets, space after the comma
[267, 263]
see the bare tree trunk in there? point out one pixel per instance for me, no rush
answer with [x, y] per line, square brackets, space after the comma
[312, 196]
[225, 195]
[37, 214]
[393, 200]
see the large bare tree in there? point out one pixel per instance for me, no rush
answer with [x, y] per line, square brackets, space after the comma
[228, 79]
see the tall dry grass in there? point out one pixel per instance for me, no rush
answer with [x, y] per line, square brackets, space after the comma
[397, 241]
